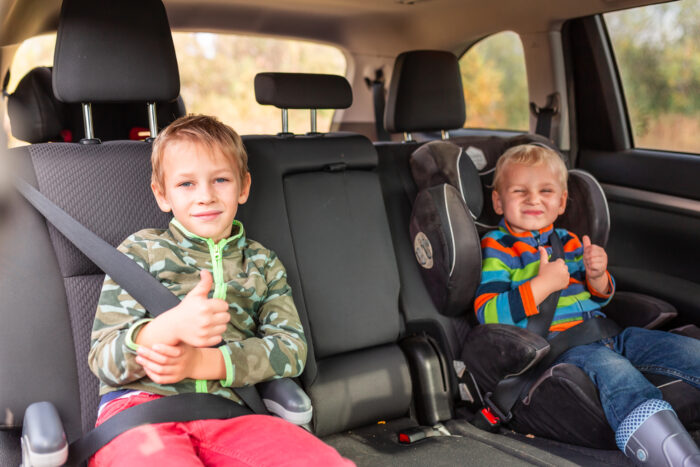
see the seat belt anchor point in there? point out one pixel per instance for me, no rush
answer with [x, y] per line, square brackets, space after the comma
[493, 409]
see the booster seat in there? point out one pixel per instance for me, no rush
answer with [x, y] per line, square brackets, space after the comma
[563, 403]
[547, 409]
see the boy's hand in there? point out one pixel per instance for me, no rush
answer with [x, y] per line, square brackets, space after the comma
[595, 259]
[167, 364]
[198, 320]
[555, 275]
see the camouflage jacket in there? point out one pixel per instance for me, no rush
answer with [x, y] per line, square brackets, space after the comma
[264, 339]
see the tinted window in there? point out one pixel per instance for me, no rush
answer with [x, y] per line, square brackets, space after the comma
[658, 58]
[495, 83]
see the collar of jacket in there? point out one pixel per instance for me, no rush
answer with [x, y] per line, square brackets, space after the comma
[187, 239]
[532, 237]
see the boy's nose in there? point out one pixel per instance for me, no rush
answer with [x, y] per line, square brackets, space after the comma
[205, 194]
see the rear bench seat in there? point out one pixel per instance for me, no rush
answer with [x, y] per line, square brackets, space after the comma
[317, 201]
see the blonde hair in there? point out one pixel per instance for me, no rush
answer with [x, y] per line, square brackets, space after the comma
[201, 129]
[531, 155]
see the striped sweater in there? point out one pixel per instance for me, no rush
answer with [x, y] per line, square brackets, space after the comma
[511, 260]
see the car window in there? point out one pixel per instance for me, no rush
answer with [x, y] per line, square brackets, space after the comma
[217, 73]
[495, 83]
[658, 59]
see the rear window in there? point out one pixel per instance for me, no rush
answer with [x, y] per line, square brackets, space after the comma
[217, 73]
[658, 58]
[495, 83]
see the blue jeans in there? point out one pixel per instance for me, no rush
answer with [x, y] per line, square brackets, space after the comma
[615, 365]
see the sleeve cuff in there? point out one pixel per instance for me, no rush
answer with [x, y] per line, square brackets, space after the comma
[226, 352]
[528, 299]
[133, 331]
[595, 293]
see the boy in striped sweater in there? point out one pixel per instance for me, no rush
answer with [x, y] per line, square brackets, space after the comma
[530, 191]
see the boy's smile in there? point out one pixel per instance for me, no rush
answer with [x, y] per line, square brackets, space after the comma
[530, 197]
[202, 188]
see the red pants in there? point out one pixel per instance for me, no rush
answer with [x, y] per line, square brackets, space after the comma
[251, 440]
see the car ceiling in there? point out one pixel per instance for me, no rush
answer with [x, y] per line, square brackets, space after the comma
[365, 27]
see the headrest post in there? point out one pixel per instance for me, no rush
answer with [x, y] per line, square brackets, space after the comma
[445, 134]
[285, 121]
[87, 122]
[152, 119]
[313, 121]
[407, 136]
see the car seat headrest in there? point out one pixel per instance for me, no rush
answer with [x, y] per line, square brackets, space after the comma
[114, 51]
[303, 91]
[425, 93]
[441, 162]
[36, 116]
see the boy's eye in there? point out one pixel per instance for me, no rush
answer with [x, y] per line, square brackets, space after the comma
[185, 184]
[221, 180]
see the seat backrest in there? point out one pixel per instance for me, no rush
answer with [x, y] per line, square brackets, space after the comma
[51, 292]
[316, 200]
[37, 116]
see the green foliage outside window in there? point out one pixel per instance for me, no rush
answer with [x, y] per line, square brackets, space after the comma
[658, 57]
[495, 83]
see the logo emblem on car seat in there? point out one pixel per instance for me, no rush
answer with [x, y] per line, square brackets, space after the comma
[423, 250]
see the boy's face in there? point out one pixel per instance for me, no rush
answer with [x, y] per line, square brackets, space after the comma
[530, 197]
[203, 190]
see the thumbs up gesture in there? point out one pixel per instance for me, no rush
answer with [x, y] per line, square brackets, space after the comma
[595, 259]
[199, 320]
[554, 275]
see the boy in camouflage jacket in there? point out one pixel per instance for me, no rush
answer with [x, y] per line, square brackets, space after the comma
[200, 174]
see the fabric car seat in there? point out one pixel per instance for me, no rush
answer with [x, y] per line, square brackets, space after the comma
[316, 201]
[547, 410]
[50, 289]
[37, 116]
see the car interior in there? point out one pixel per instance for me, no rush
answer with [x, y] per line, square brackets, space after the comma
[398, 366]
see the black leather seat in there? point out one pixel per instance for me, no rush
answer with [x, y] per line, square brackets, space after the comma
[37, 116]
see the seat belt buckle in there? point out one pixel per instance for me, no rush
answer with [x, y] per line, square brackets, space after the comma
[412, 435]
[493, 408]
[486, 420]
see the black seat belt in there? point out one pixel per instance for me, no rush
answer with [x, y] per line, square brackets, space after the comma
[545, 115]
[156, 298]
[378, 99]
[509, 390]
[178, 408]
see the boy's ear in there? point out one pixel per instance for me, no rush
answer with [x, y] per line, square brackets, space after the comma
[497, 205]
[160, 198]
[562, 202]
[245, 189]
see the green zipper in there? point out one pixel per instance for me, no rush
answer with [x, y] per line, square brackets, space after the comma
[217, 263]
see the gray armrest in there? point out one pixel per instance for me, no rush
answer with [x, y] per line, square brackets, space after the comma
[43, 439]
[636, 309]
[284, 398]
